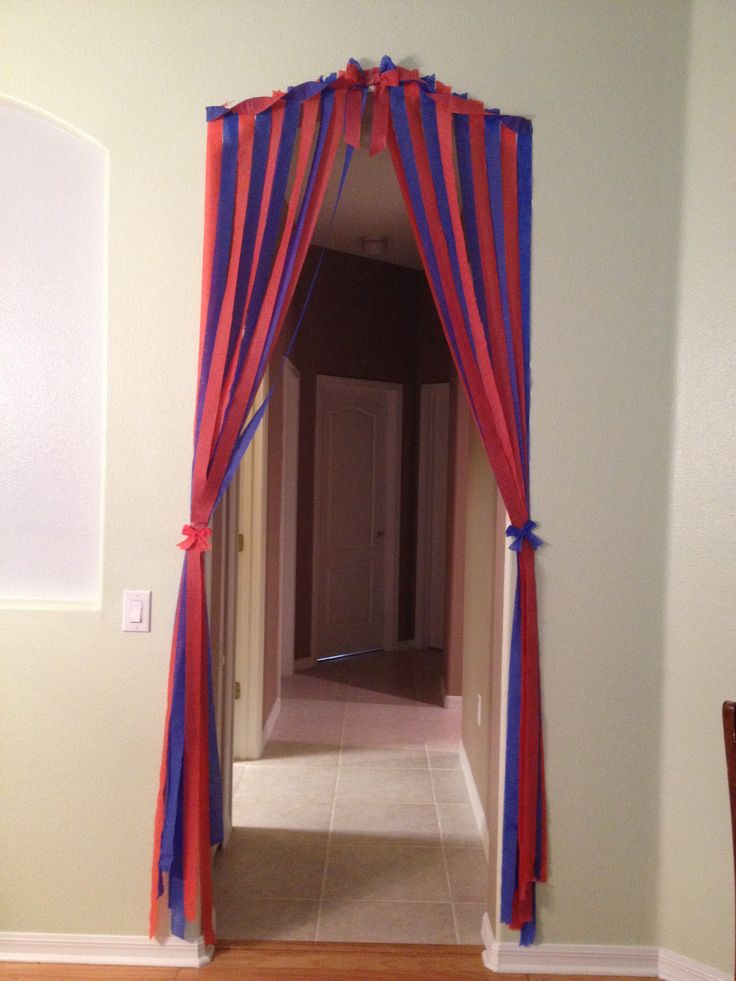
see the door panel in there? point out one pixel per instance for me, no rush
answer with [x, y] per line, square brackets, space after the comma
[355, 505]
[354, 438]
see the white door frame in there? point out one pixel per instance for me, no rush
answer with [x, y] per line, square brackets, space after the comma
[393, 503]
[287, 525]
[434, 400]
[251, 615]
[221, 576]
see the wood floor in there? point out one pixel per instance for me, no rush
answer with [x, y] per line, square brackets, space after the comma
[270, 961]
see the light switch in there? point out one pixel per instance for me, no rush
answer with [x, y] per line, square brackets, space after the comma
[137, 610]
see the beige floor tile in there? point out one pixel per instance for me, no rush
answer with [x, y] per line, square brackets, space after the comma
[270, 864]
[361, 732]
[301, 784]
[239, 769]
[440, 721]
[444, 761]
[458, 825]
[449, 787]
[388, 786]
[308, 730]
[382, 757]
[449, 743]
[362, 922]
[281, 814]
[468, 875]
[402, 824]
[398, 712]
[364, 735]
[379, 872]
[299, 685]
[268, 919]
[295, 753]
[313, 707]
[367, 696]
[386, 875]
[468, 917]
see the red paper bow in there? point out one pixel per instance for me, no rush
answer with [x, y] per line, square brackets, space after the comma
[197, 538]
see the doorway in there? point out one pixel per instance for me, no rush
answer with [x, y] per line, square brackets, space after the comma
[357, 484]
[356, 821]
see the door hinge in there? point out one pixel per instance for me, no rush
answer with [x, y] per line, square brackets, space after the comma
[241, 542]
[237, 690]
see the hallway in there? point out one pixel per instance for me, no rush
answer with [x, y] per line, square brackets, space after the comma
[356, 824]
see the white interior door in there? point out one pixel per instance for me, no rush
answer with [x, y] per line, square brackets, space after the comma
[357, 480]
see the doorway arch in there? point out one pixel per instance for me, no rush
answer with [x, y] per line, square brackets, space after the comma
[465, 176]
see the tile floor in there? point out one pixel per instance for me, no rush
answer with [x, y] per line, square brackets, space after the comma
[356, 823]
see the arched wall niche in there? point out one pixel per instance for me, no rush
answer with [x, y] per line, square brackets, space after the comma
[53, 205]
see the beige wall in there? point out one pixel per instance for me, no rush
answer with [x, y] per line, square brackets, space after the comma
[482, 647]
[82, 704]
[696, 881]
[481, 544]
[457, 489]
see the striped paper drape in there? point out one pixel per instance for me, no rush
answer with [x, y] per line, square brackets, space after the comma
[465, 173]
[257, 231]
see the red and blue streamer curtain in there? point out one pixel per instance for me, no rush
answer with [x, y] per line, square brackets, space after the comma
[465, 174]
[258, 225]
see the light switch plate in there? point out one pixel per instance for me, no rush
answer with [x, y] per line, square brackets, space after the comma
[131, 599]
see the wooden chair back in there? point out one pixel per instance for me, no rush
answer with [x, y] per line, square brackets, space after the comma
[729, 735]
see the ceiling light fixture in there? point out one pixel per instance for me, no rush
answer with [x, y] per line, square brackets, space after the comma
[374, 246]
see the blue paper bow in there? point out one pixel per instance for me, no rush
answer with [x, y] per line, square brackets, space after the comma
[525, 532]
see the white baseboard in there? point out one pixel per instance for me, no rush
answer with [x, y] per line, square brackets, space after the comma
[675, 967]
[450, 701]
[592, 959]
[271, 720]
[475, 802]
[489, 941]
[71, 948]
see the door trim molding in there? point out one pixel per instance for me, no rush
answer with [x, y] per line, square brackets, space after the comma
[221, 568]
[392, 556]
[289, 508]
[251, 608]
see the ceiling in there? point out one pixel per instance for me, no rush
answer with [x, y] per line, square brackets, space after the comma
[371, 206]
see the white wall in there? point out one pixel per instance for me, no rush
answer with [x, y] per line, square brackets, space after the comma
[696, 883]
[82, 713]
